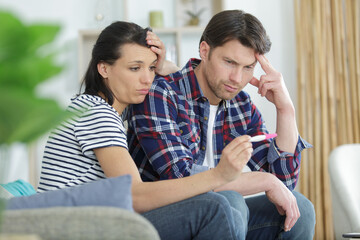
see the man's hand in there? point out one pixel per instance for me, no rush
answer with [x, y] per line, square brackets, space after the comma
[234, 157]
[271, 85]
[285, 203]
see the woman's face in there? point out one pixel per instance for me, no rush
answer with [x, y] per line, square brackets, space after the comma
[131, 76]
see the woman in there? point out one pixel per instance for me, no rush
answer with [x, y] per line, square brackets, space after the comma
[92, 145]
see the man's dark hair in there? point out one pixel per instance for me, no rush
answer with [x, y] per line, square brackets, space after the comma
[108, 49]
[236, 25]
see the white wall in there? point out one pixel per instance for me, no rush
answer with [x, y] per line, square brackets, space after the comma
[276, 15]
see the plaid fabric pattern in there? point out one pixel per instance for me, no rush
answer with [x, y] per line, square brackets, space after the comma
[167, 132]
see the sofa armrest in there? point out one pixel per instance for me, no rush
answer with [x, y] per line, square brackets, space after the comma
[78, 223]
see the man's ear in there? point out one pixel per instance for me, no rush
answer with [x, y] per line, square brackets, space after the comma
[102, 69]
[204, 50]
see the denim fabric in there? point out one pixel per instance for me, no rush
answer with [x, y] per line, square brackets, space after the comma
[264, 221]
[206, 216]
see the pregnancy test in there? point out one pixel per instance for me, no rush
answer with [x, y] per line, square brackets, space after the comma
[259, 138]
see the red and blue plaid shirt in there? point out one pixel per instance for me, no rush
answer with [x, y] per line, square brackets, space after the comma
[167, 132]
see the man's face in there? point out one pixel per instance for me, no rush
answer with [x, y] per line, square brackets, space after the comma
[226, 70]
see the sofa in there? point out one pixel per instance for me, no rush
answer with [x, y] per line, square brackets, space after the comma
[97, 210]
[90, 222]
[344, 168]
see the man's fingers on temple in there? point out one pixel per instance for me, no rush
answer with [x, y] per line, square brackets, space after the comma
[255, 82]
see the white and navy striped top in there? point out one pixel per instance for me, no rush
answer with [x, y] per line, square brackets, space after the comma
[69, 158]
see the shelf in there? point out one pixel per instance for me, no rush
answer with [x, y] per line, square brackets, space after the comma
[87, 39]
[181, 42]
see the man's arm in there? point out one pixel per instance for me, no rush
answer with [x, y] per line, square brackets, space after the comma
[284, 153]
[272, 86]
[275, 190]
[267, 157]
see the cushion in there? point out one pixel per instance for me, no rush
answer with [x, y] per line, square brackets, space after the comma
[114, 192]
[5, 194]
[16, 189]
[75, 223]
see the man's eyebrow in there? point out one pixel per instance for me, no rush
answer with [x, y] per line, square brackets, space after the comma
[230, 59]
[253, 63]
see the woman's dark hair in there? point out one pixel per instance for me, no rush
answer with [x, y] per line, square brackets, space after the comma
[108, 49]
[236, 25]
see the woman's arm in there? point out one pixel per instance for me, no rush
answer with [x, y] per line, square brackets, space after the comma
[163, 66]
[116, 161]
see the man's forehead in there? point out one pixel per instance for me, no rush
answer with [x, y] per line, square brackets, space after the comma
[235, 51]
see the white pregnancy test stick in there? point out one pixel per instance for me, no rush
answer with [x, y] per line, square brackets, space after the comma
[259, 138]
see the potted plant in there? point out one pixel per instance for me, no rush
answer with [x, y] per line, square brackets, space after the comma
[193, 13]
[26, 61]
[194, 17]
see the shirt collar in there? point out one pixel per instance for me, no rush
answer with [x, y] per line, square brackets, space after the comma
[192, 87]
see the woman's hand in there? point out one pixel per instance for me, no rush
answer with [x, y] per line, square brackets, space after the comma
[163, 66]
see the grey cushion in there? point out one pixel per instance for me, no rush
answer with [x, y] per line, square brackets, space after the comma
[115, 192]
[79, 223]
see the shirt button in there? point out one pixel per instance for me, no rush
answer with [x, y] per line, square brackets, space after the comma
[203, 148]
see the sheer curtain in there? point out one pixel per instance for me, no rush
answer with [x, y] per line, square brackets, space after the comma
[328, 59]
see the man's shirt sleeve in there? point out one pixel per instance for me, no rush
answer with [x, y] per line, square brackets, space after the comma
[269, 158]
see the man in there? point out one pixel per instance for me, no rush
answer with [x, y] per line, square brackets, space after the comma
[189, 117]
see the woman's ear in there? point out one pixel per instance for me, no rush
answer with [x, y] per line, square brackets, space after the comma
[102, 69]
[204, 50]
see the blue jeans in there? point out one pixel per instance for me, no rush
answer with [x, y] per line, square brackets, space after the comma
[264, 221]
[206, 216]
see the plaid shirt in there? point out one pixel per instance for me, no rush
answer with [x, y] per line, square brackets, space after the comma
[167, 132]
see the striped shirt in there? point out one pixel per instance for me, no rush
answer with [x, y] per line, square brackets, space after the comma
[69, 158]
[167, 132]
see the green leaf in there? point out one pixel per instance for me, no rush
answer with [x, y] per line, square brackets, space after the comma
[40, 35]
[23, 60]
[30, 71]
[26, 117]
[13, 40]
[26, 61]
[2, 209]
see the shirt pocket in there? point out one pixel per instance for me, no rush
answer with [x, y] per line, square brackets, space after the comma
[190, 133]
[231, 134]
